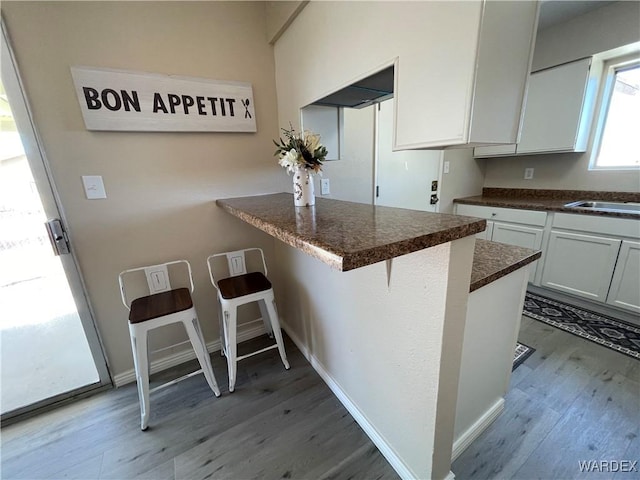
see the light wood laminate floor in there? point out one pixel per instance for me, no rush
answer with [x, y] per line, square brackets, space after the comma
[277, 424]
[571, 400]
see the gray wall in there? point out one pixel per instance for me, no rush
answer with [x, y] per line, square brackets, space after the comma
[161, 187]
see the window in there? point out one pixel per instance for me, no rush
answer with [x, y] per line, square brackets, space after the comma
[617, 141]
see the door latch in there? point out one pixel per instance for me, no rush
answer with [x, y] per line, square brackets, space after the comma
[57, 236]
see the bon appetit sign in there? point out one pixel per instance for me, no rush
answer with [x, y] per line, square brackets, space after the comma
[147, 102]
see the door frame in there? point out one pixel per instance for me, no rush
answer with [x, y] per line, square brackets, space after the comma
[52, 206]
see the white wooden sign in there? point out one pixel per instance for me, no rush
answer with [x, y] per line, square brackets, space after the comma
[147, 102]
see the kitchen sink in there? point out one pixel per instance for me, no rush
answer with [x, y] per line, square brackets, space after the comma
[622, 207]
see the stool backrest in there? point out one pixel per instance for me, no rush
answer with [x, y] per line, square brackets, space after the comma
[157, 277]
[236, 264]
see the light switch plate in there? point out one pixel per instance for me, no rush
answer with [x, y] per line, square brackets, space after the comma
[93, 187]
[325, 186]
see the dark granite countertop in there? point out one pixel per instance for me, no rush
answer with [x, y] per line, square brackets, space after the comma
[493, 260]
[348, 235]
[549, 200]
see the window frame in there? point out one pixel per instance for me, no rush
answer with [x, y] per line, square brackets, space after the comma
[610, 68]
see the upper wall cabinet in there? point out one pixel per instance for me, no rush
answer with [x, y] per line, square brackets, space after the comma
[558, 112]
[460, 68]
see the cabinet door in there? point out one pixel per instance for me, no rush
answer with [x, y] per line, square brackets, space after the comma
[528, 237]
[625, 286]
[580, 265]
[554, 109]
[486, 235]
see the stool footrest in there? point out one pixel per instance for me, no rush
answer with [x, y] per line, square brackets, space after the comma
[271, 347]
[173, 382]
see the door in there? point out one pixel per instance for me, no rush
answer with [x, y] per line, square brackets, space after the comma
[404, 179]
[624, 291]
[579, 264]
[49, 345]
[554, 108]
[527, 237]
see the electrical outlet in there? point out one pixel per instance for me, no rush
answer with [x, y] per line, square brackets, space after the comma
[528, 173]
[325, 186]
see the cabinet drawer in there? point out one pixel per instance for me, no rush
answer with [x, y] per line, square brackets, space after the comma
[624, 227]
[511, 215]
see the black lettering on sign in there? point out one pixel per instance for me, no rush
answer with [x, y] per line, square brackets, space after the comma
[91, 97]
[158, 103]
[222, 110]
[213, 104]
[111, 99]
[231, 101]
[187, 101]
[174, 101]
[200, 103]
[130, 101]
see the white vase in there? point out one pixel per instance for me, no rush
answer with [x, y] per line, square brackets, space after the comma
[303, 194]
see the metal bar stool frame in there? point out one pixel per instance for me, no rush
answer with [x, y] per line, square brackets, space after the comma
[240, 288]
[177, 307]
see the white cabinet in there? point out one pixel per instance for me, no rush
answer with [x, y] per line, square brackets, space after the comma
[521, 236]
[625, 285]
[580, 264]
[495, 151]
[557, 114]
[523, 228]
[582, 255]
[460, 68]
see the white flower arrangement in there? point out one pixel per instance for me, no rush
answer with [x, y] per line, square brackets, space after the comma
[300, 150]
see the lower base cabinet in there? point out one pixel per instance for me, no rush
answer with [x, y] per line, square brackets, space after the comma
[624, 291]
[520, 236]
[522, 228]
[580, 265]
[594, 257]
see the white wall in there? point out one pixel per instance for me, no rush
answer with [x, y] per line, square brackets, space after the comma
[351, 177]
[161, 187]
[388, 342]
[465, 177]
[597, 31]
[279, 14]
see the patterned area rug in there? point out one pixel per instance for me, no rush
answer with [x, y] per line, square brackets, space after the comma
[521, 354]
[619, 336]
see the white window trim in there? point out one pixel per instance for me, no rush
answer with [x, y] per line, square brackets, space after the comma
[610, 68]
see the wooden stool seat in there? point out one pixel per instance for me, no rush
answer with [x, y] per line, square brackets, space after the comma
[241, 285]
[160, 304]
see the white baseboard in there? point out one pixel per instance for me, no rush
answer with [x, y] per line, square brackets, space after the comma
[474, 431]
[172, 360]
[387, 451]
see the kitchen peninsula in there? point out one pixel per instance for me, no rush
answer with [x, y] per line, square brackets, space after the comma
[381, 316]
[375, 298]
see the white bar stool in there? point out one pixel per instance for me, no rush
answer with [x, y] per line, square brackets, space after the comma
[240, 288]
[161, 307]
